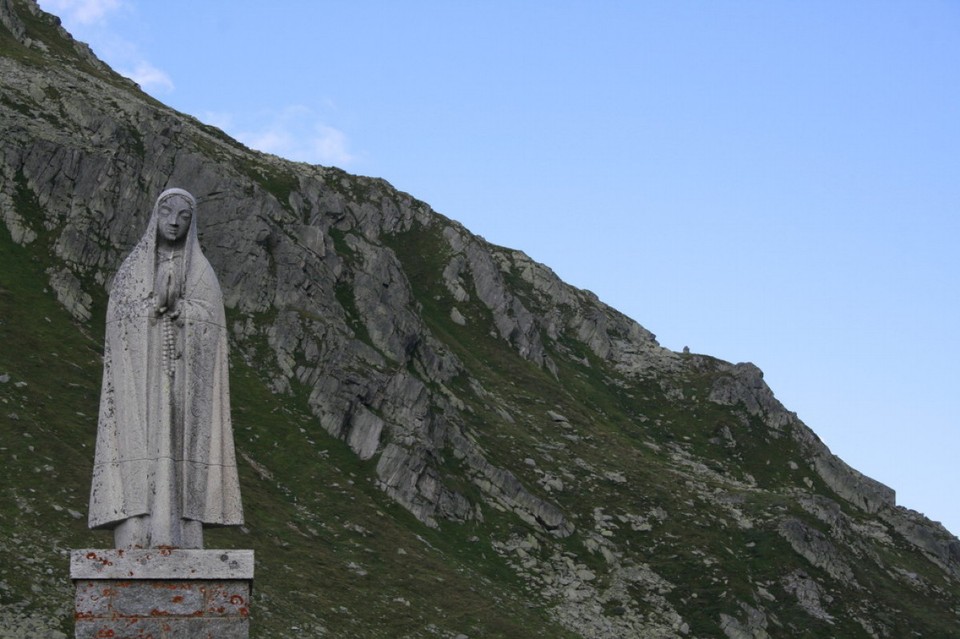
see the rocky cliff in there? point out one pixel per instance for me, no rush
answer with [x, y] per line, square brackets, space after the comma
[440, 437]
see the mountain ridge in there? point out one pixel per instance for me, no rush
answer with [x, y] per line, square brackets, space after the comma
[533, 436]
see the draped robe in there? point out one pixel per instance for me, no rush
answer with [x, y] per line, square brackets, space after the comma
[164, 437]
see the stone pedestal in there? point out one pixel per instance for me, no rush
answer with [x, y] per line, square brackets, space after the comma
[162, 593]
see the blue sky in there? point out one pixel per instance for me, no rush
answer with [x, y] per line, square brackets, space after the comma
[775, 182]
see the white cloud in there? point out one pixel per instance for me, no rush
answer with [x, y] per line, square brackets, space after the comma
[331, 143]
[220, 119]
[81, 11]
[150, 78]
[296, 133]
[274, 141]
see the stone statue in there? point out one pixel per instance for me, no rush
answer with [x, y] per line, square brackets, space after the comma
[165, 464]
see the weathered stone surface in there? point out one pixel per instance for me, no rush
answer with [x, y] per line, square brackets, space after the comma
[165, 461]
[852, 485]
[817, 548]
[753, 625]
[810, 595]
[932, 538]
[161, 563]
[162, 593]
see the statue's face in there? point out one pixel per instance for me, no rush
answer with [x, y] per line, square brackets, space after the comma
[174, 217]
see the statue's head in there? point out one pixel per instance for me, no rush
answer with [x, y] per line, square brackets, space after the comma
[175, 210]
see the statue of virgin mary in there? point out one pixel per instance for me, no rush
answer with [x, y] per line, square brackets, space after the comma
[165, 464]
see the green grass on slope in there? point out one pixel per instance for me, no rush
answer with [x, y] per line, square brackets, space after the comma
[48, 408]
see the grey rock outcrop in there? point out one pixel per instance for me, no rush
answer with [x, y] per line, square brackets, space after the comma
[817, 548]
[744, 387]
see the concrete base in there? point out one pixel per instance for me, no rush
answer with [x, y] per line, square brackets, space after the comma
[162, 594]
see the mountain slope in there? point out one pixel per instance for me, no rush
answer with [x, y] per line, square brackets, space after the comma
[438, 436]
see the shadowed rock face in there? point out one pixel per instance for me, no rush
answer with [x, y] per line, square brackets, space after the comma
[630, 488]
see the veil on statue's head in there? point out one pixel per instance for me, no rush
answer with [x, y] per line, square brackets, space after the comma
[191, 246]
[135, 278]
[175, 191]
